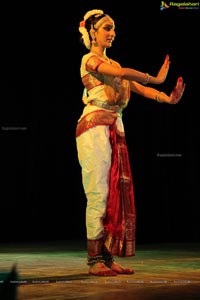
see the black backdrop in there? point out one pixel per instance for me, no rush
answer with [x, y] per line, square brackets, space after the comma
[41, 191]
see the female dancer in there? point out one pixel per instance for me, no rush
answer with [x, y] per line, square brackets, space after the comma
[101, 145]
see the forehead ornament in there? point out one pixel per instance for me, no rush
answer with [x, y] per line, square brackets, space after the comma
[103, 20]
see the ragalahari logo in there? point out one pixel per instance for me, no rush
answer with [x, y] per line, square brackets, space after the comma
[179, 5]
[163, 5]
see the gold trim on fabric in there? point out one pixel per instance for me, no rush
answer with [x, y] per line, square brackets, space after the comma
[95, 118]
[90, 81]
[105, 105]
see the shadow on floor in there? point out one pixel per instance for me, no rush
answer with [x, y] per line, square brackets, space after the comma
[58, 270]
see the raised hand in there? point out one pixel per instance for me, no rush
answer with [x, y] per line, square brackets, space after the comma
[162, 74]
[177, 92]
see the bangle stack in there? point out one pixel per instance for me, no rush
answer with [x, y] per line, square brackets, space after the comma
[146, 79]
[157, 98]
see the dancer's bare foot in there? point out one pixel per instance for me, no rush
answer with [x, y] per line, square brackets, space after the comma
[119, 269]
[100, 269]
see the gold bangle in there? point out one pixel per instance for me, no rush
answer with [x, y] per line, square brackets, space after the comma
[157, 98]
[147, 79]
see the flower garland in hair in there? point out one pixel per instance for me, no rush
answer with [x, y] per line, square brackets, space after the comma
[85, 35]
[92, 12]
[83, 30]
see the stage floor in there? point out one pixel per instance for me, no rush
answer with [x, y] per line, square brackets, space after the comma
[57, 270]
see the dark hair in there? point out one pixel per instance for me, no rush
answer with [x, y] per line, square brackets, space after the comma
[90, 22]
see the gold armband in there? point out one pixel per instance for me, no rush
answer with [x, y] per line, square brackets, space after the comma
[146, 79]
[157, 98]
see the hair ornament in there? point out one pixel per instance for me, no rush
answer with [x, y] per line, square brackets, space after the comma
[83, 30]
[93, 12]
[85, 35]
[82, 24]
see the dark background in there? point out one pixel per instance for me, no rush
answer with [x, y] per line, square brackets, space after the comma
[41, 190]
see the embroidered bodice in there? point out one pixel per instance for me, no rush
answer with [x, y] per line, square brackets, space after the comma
[102, 88]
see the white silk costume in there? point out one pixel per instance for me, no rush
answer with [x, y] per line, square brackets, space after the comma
[104, 97]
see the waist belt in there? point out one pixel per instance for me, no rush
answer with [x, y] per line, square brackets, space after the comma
[99, 103]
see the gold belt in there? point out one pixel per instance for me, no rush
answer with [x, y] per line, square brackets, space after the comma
[115, 108]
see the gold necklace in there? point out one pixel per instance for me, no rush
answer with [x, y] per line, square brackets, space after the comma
[101, 55]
